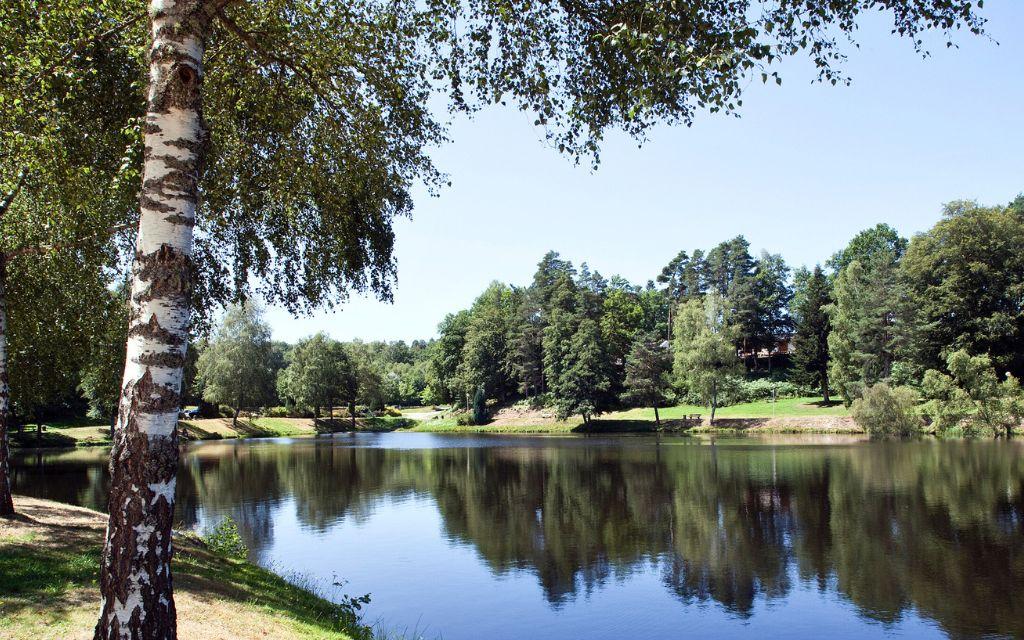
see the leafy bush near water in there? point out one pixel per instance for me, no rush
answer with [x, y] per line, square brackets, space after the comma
[225, 540]
[886, 411]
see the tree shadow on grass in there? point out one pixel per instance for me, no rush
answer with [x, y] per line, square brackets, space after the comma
[821, 404]
[616, 426]
[198, 570]
[678, 425]
[376, 424]
[49, 571]
[49, 438]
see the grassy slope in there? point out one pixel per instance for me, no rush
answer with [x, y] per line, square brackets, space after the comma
[425, 419]
[82, 433]
[49, 563]
[784, 408]
[643, 419]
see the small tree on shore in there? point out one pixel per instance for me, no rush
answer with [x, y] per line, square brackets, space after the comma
[479, 406]
[236, 367]
[705, 351]
[584, 382]
[887, 411]
[972, 396]
[319, 374]
[648, 374]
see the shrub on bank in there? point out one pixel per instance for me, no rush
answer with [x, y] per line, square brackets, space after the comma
[225, 540]
[739, 390]
[972, 400]
[887, 411]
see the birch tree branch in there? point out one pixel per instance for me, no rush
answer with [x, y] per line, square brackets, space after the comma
[300, 70]
[73, 244]
[79, 45]
[9, 197]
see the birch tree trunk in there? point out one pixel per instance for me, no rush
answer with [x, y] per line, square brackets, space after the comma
[135, 580]
[6, 503]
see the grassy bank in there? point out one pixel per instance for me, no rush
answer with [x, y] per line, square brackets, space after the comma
[789, 415]
[49, 564]
[82, 433]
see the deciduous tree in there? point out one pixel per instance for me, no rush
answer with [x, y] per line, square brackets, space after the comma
[704, 343]
[972, 396]
[309, 203]
[966, 275]
[320, 373]
[237, 366]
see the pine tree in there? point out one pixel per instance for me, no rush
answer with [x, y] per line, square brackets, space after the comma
[813, 325]
[479, 406]
[584, 383]
[648, 374]
[873, 322]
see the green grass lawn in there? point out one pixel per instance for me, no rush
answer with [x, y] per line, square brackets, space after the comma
[49, 565]
[81, 432]
[639, 420]
[63, 433]
[783, 408]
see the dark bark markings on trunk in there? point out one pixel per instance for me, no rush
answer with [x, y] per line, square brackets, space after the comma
[6, 502]
[135, 579]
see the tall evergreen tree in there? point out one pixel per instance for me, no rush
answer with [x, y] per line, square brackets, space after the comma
[813, 326]
[583, 385]
[873, 322]
[528, 345]
[728, 264]
[649, 374]
[488, 356]
[773, 293]
[563, 314]
[621, 319]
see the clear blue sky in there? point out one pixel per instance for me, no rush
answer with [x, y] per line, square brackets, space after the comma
[804, 168]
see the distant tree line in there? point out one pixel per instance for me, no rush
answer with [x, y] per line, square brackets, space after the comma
[241, 367]
[712, 327]
[884, 309]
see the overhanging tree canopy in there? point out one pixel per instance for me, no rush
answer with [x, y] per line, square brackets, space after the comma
[310, 209]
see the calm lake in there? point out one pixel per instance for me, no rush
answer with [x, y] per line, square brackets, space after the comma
[470, 537]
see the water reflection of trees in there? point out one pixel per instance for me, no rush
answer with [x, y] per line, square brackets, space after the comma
[938, 527]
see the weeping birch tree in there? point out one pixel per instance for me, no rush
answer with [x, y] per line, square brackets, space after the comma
[282, 137]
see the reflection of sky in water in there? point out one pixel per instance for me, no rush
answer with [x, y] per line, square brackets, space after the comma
[469, 537]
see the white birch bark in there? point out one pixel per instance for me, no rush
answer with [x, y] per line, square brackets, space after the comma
[135, 582]
[6, 503]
